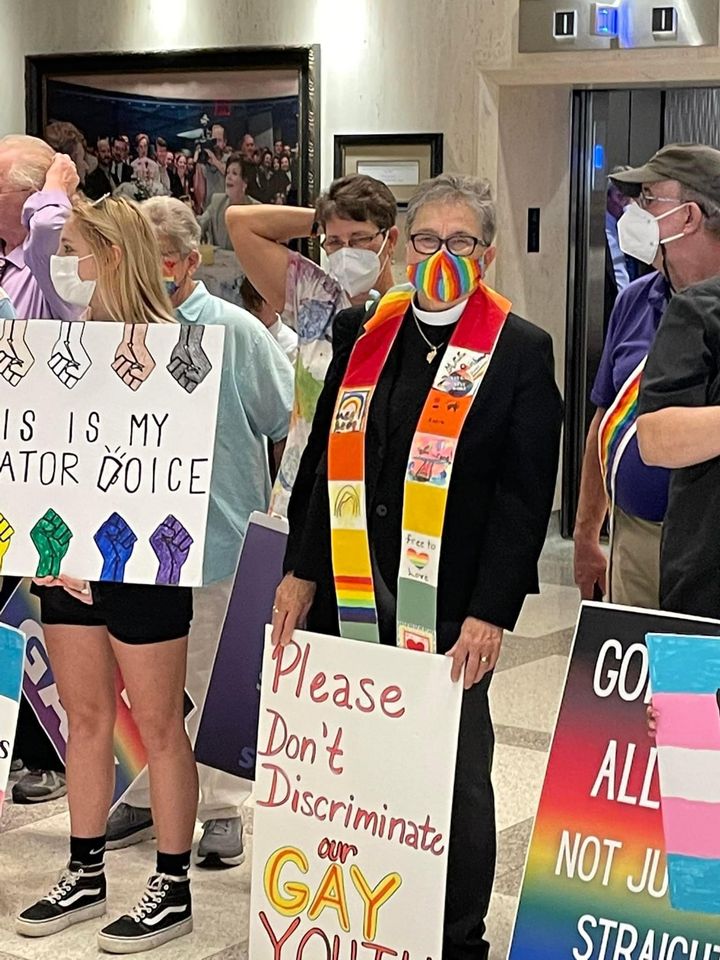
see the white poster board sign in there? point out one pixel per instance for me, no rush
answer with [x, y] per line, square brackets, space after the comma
[107, 442]
[354, 781]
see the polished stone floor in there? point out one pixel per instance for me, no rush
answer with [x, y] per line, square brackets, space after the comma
[525, 694]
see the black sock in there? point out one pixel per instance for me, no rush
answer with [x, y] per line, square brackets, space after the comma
[173, 864]
[88, 851]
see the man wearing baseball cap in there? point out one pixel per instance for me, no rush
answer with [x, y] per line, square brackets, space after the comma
[679, 404]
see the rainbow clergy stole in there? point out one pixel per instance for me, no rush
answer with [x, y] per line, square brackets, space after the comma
[618, 427]
[429, 470]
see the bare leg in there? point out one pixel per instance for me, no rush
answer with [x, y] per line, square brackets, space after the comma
[84, 669]
[154, 675]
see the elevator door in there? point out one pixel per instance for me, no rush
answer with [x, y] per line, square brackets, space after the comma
[610, 128]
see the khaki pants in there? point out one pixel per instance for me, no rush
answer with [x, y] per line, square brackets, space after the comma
[635, 561]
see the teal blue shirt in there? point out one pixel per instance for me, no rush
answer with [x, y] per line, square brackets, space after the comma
[256, 396]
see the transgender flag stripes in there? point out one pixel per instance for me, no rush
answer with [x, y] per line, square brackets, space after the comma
[12, 654]
[685, 679]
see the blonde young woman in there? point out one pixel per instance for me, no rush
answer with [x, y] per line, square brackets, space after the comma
[108, 262]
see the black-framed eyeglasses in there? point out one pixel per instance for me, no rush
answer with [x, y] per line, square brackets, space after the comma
[459, 244]
[333, 244]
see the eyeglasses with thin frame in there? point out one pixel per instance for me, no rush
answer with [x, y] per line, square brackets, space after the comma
[333, 244]
[645, 199]
[459, 244]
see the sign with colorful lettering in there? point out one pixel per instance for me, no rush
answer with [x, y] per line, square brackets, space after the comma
[107, 446]
[12, 645]
[355, 768]
[596, 880]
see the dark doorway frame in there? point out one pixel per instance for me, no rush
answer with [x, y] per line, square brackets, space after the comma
[304, 59]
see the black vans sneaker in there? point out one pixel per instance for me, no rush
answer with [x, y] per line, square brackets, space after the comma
[78, 895]
[163, 913]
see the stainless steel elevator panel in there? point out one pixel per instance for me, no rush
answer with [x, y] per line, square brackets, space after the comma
[683, 23]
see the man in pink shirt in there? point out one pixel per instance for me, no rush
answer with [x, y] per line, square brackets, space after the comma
[36, 185]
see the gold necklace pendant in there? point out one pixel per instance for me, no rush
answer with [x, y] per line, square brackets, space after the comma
[431, 356]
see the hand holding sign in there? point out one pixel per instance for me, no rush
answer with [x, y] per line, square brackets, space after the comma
[171, 543]
[133, 362]
[115, 541]
[15, 356]
[189, 364]
[6, 535]
[69, 360]
[51, 537]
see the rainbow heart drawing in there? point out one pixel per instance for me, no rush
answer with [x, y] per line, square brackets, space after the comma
[418, 558]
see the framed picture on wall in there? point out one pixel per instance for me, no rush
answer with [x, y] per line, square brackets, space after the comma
[175, 123]
[402, 160]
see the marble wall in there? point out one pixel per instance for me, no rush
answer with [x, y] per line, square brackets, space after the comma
[400, 66]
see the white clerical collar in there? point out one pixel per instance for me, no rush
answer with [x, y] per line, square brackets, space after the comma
[439, 318]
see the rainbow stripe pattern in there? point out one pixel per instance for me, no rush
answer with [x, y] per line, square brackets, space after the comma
[559, 911]
[444, 277]
[352, 568]
[427, 481]
[130, 755]
[685, 673]
[619, 425]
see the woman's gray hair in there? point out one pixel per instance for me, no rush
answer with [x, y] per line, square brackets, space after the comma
[473, 192]
[174, 223]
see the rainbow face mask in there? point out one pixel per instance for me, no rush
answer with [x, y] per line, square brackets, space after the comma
[444, 278]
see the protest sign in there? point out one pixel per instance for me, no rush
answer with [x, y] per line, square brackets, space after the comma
[355, 769]
[107, 445]
[685, 677]
[40, 690]
[227, 734]
[595, 884]
[12, 644]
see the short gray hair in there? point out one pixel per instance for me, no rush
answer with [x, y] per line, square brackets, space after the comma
[473, 192]
[173, 221]
[709, 207]
[31, 160]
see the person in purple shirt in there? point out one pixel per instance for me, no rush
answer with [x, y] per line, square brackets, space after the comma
[613, 475]
[35, 189]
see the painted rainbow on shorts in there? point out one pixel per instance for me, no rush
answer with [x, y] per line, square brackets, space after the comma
[445, 278]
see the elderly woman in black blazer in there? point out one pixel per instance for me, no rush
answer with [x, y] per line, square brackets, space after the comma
[431, 539]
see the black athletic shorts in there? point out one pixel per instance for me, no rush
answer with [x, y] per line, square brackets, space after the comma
[132, 613]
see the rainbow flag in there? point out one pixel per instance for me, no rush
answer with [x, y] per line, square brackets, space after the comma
[595, 884]
[618, 425]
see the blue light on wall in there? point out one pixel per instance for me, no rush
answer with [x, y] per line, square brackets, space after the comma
[605, 21]
[599, 156]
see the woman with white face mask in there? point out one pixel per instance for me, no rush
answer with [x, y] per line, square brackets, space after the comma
[109, 264]
[440, 427]
[357, 218]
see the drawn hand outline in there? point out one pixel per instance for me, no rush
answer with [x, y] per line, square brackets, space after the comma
[16, 359]
[133, 361]
[6, 534]
[69, 360]
[51, 537]
[189, 364]
[171, 542]
[115, 540]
